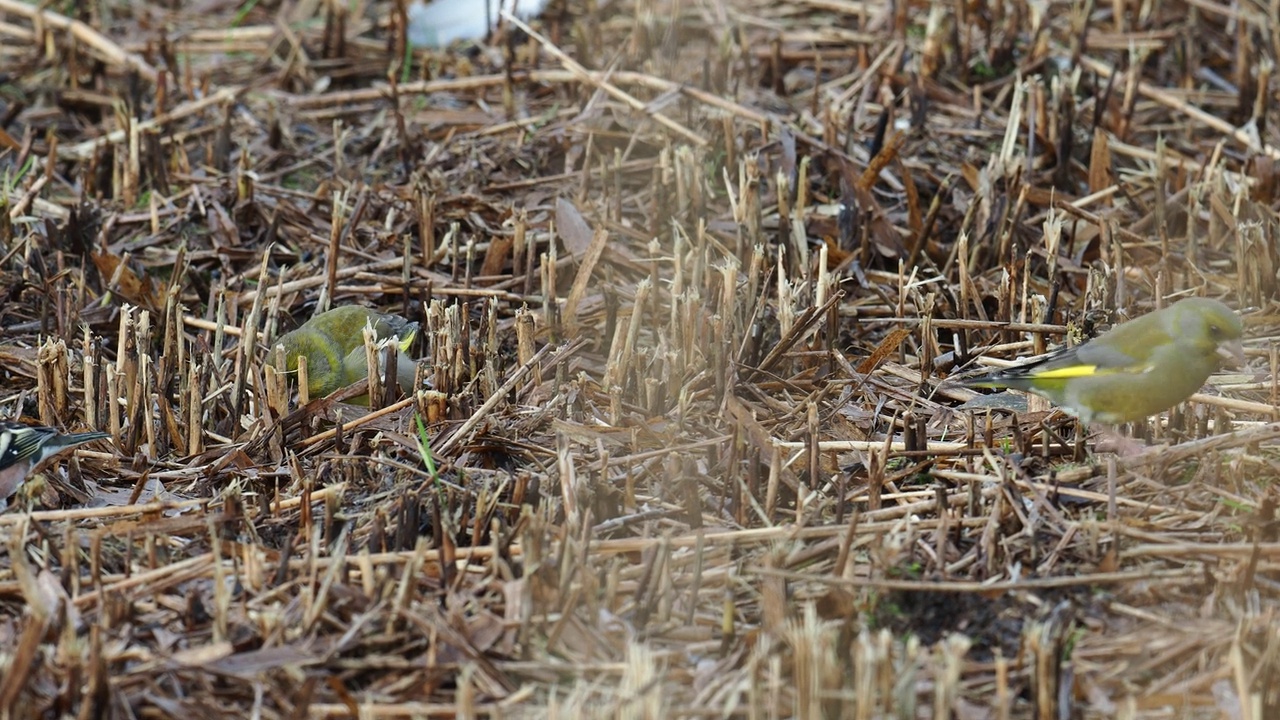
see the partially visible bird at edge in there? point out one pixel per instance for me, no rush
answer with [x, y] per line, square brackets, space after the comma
[25, 447]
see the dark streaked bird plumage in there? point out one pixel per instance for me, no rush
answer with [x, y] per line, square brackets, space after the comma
[22, 447]
[1136, 369]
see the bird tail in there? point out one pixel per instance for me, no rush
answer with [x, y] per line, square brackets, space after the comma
[997, 381]
[87, 436]
[71, 439]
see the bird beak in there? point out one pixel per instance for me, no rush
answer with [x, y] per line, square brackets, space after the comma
[1233, 351]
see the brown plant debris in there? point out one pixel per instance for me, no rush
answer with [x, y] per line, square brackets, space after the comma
[691, 280]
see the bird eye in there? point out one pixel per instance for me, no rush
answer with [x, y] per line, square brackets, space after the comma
[1215, 331]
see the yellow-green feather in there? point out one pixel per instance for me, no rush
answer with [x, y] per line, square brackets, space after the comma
[1136, 369]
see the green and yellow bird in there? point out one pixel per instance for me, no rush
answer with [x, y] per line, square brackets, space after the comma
[333, 344]
[1135, 370]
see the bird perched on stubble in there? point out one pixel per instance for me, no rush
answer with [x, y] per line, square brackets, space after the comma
[333, 344]
[1136, 369]
[23, 447]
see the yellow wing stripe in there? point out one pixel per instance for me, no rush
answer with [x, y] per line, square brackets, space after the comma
[407, 340]
[1067, 372]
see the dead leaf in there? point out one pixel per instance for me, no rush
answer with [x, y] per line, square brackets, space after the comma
[574, 229]
[886, 348]
[129, 281]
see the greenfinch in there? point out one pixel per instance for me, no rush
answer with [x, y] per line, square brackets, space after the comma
[355, 366]
[333, 344]
[23, 447]
[1136, 369]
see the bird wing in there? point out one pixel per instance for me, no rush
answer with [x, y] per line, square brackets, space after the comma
[22, 444]
[1089, 359]
[1126, 351]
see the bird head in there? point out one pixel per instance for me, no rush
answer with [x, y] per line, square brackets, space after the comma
[1209, 328]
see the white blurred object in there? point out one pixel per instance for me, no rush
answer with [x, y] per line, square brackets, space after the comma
[441, 22]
